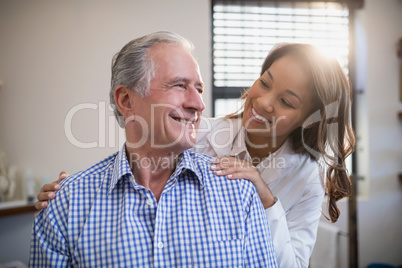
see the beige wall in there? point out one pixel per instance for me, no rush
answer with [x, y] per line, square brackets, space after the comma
[56, 55]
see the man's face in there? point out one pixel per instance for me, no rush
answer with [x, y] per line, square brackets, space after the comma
[174, 106]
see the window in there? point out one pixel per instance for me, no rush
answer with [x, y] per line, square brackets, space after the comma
[245, 31]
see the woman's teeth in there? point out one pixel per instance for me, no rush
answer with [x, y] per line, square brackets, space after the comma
[259, 117]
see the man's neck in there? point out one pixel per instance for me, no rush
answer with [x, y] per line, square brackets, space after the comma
[151, 168]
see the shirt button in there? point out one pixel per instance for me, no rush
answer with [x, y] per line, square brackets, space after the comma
[149, 202]
[160, 245]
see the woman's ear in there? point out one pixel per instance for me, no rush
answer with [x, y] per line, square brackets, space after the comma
[122, 98]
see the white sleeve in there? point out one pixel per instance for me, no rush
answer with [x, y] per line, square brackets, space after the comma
[294, 234]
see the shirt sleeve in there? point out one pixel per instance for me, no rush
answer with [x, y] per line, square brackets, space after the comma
[258, 245]
[48, 243]
[294, 234]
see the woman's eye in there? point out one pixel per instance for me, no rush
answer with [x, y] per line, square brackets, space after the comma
[286, 103]
[264, 84]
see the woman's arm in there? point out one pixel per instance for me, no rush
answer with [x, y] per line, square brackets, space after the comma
[294, 232]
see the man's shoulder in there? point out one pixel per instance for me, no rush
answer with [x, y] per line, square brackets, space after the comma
[202, 164]
[78, 191]
[96, 171]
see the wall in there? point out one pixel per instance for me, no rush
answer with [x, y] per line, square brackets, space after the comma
[379, 136]
[380, 214]
[56, 55]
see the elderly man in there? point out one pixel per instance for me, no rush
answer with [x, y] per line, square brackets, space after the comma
[154, 203]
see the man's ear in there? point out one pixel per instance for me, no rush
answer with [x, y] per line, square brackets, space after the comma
[122, 98]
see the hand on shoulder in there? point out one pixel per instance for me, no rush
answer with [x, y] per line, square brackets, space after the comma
[47, 192]
[234, 168]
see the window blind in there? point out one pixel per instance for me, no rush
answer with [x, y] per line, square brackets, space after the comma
[245, 31]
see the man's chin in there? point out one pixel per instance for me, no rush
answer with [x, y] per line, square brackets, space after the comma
[186, 145]
[186, 141]
[178, 146]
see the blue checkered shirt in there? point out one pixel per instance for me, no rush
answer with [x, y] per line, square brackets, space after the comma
[102, 218]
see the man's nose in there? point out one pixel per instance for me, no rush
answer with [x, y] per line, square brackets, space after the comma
[194, 100]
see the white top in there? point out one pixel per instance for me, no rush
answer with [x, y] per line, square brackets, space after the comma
[294, 180]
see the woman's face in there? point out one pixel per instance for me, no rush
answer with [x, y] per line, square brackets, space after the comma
[278, 102]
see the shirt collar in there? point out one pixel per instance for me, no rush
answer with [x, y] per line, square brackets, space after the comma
[121, 168]
[238, 146]
[186, 161]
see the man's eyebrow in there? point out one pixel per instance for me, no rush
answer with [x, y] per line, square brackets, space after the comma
[293, 94]
[177, 80]
[184, 80]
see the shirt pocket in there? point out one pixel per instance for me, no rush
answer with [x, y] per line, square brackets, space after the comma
[225, 253]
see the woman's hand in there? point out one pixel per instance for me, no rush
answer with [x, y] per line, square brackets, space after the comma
[47, 192]
[235, 168]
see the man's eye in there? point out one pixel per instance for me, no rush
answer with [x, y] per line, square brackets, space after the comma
[181, 86]
[200, 90]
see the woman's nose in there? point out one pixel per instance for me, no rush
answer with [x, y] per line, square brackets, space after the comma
[266, 103]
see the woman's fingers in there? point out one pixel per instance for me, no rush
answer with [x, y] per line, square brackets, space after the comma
[249, 173]
[227, 165]
[241, 175]
[62, 176]
[232, 170]
[47, 192]
[50, 187]
[45, 196]
[229, 162]
[40, 205]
